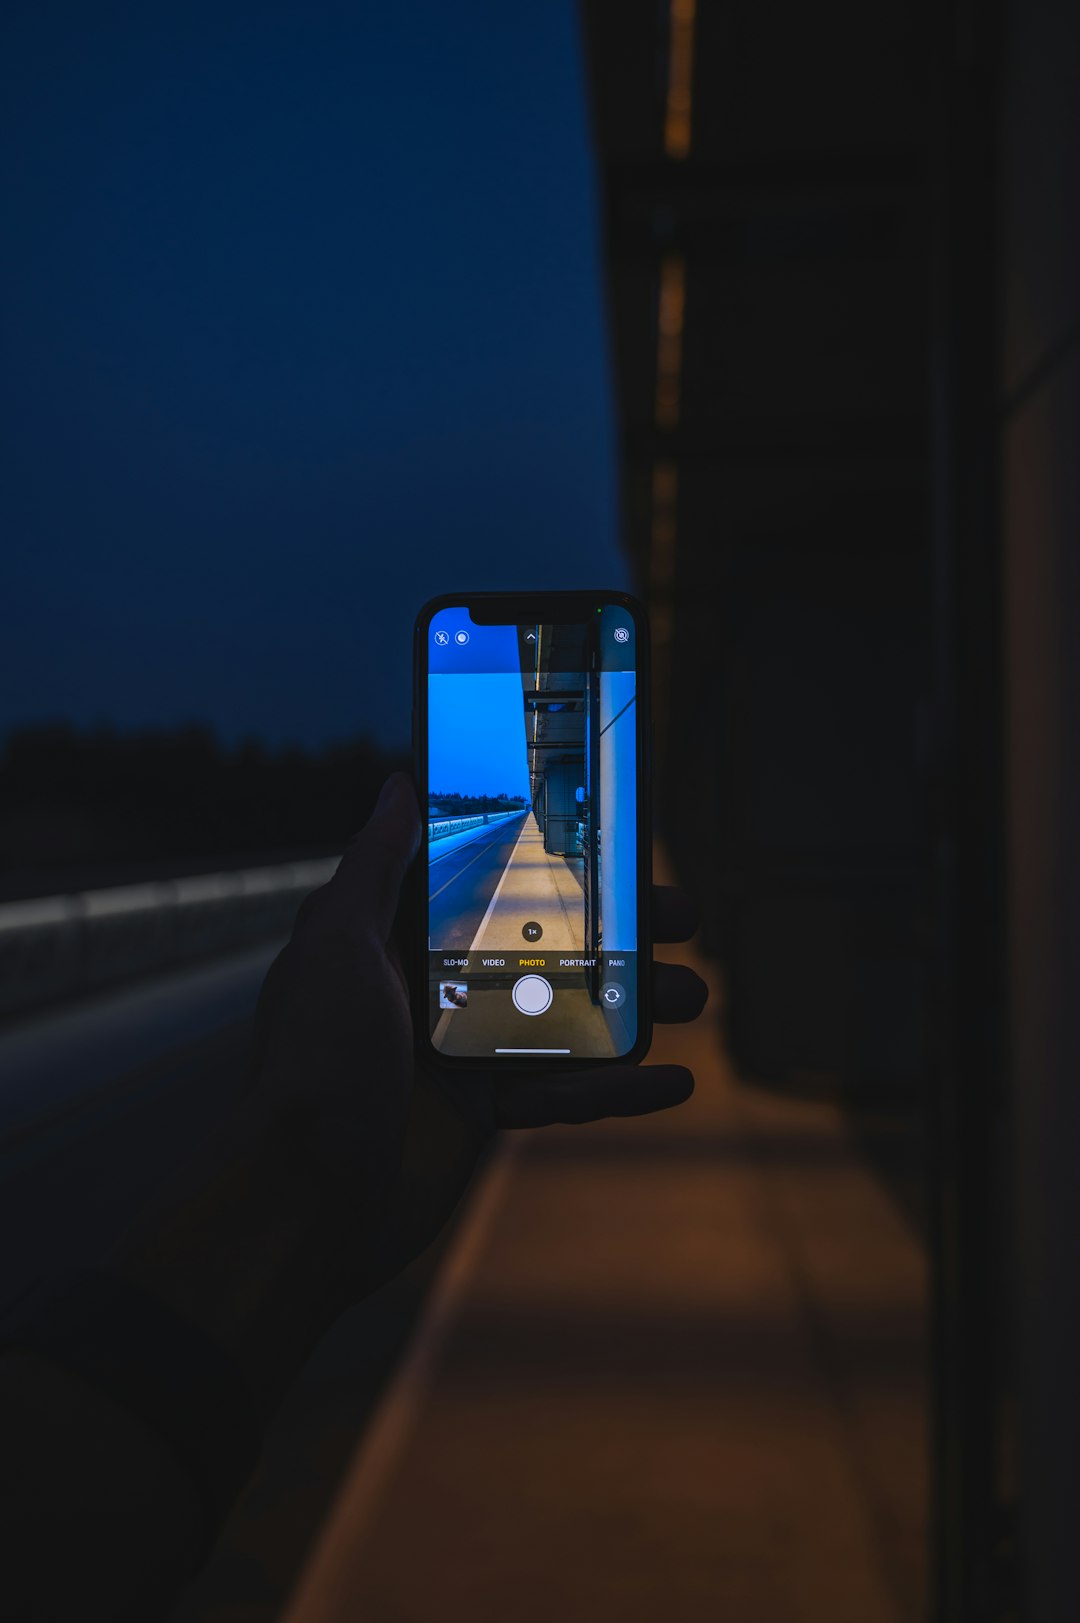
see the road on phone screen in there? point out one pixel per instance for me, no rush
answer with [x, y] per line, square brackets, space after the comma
[463, 881]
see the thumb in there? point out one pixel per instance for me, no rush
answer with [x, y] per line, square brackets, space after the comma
[376, 860]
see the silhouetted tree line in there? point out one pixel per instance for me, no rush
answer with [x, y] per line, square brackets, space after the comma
[455, 805]
[111, 805]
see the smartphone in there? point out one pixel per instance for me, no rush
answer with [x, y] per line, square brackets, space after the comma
[531, 726]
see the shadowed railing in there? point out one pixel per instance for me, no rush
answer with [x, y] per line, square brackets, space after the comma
[52, 947]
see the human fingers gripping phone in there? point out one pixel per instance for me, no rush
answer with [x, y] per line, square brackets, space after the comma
[532, 737]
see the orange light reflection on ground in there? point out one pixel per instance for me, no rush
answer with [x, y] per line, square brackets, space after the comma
[669, 340]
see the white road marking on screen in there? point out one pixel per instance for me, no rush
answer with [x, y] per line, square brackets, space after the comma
[464, 865]
[498, 888]
[464, 846]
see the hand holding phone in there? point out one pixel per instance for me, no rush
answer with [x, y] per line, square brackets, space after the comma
[387, 1140]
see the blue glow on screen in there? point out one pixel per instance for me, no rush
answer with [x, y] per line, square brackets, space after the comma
[618, 809]
[486, 648]
[476, 735]
[560, 698]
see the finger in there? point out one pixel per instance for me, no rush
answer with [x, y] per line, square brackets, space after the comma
[678, 994]
[367, 885]
[590, 1095]
[675, 917]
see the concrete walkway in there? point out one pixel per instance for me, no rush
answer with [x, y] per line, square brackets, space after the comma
[536, 887]
[672, 1368]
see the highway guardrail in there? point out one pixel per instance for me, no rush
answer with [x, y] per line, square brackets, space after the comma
[441, 827]
[53, 947]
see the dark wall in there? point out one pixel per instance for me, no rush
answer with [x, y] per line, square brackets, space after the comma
[846, 328]
[777, 505]
[1039, 426]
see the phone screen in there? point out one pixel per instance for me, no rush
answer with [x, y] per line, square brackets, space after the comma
[532, 749]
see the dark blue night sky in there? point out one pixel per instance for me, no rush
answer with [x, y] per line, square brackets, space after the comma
[302, 325]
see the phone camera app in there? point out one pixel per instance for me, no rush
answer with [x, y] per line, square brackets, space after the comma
[532, 859]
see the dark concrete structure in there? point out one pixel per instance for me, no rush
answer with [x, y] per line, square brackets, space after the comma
[770, 294]
[843, 259]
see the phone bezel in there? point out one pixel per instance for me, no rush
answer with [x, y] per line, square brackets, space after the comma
[515, 608]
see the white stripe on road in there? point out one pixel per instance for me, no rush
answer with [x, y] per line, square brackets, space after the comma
[498, 888]
[461, 870]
